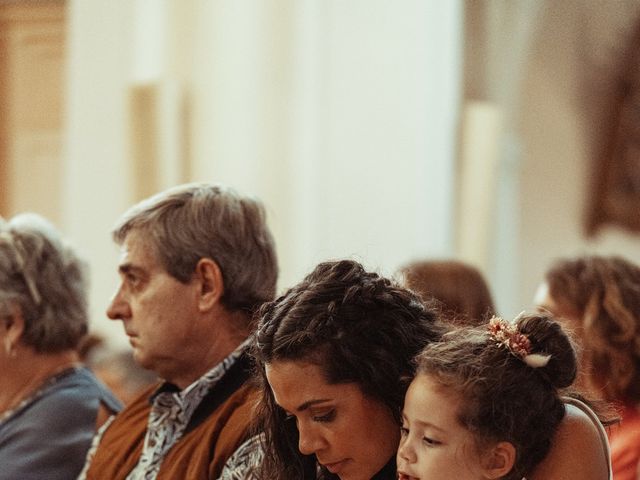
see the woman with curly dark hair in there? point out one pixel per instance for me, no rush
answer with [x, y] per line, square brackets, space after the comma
[334, 357]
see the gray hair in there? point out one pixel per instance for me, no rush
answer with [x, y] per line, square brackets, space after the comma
[41, 274]
[189, 222]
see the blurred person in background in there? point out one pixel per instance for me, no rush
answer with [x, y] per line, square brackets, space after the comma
[116, 368]
[598, 299]
[458, 289]
[196, 261]
[50, 405]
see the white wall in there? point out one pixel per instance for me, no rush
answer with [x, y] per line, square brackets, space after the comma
[97, 176]
[341, 116]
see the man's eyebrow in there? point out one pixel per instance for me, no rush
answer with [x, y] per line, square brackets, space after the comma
[126, 268]
[311, 403]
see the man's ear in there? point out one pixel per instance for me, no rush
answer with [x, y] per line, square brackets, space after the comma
[498, 460]
[210, 283]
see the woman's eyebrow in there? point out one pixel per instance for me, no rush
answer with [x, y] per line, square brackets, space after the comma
[304, 406]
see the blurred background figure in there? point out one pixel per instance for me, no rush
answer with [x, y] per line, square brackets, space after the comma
[50, 405]
[598, 299]
[116, 368]
[458, 289]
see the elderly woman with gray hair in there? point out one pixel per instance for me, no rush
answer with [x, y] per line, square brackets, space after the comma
[50, 405]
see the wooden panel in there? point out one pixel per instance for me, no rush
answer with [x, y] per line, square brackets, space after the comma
[4, 123]
[32, 59]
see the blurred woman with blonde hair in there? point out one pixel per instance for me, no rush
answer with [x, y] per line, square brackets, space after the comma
[50, 405]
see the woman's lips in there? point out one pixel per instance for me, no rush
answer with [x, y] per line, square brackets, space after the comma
[334, 467]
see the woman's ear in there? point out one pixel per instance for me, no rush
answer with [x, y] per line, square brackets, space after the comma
[12, 328]
[498, 460]
[210, 283]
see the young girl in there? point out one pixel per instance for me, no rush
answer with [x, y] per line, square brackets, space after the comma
[485, 402]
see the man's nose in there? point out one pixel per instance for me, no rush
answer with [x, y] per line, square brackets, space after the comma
[118, 308]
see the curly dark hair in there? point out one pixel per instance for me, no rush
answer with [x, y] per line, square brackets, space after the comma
[503, 398]
[603, 293]
[359, 327]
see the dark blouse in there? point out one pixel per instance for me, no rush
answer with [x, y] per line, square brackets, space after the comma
[388, 472]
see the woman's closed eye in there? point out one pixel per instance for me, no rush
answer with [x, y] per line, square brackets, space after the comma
[322, 417]
[325, 417]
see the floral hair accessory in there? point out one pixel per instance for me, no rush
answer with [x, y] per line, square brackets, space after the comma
[506, 334]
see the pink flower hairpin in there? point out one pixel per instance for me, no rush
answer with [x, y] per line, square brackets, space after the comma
[506, 334]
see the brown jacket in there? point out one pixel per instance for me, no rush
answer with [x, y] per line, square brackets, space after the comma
[217, 428]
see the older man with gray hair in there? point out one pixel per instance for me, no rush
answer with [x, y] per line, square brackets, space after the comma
[196, 261]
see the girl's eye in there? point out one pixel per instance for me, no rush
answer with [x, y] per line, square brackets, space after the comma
[327, 417]
[404, 431]
[430, 442]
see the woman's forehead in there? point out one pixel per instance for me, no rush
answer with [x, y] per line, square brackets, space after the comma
[295, 383]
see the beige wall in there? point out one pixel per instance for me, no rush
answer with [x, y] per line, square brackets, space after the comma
[343, 123]
[564, 102]
[548, 67]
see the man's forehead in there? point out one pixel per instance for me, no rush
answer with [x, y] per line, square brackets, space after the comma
[136, 251]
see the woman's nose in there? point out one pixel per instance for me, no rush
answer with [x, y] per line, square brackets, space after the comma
[310, 441]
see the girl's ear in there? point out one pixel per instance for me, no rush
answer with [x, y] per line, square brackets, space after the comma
[498, 460]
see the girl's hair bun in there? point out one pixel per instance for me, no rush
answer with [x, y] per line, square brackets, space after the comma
[548, 338]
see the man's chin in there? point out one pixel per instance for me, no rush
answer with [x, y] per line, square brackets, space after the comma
[140, 358]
